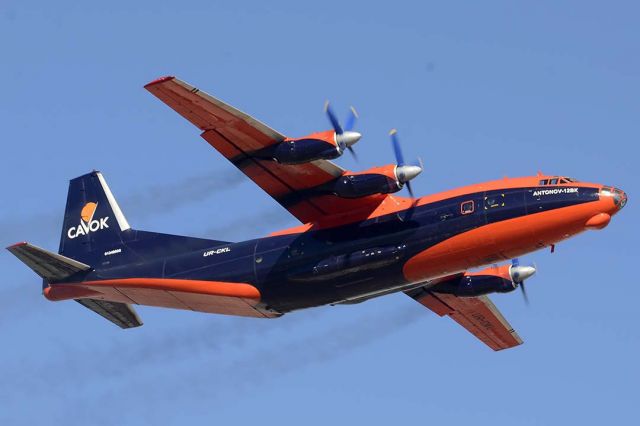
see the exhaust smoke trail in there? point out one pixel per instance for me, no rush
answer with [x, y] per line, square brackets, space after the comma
[168, 197]
[253, 226]
[162, 198]
[194, 359]
[311, 351]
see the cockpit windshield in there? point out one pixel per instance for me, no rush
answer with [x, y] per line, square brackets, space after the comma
[557, 180]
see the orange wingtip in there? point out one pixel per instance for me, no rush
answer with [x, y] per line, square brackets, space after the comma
[160, 80]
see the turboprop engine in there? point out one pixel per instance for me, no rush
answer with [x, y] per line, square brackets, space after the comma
[327, 145]
[495, 279]
[317, 146]
[378, 180]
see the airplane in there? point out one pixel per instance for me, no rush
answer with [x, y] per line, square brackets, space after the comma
[358, 238]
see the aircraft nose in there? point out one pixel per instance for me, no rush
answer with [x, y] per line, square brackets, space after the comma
[619, 196]
[623, 197]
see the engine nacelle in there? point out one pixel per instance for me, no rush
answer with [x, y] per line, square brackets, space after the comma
[316, 146]
[471, 284]
[378, 180]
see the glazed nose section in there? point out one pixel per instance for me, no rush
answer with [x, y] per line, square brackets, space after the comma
[619, 198]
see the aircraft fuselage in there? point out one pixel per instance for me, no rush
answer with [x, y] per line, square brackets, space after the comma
[395, 249]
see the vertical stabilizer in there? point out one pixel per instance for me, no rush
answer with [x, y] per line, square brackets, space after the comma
[92, 218]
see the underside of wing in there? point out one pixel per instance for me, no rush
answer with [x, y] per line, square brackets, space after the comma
[50, 266]
[243, 140]
[121, 314]
[477, 314]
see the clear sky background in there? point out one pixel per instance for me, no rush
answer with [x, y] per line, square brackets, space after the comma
[479, 90]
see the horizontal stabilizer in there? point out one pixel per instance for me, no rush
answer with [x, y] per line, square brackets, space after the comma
[121, 314]
[50, 266]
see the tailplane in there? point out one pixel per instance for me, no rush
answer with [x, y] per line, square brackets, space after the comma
[54, 267]
[50, 266]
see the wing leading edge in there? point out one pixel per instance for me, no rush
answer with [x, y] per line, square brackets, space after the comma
[477, 314]
[240, 137]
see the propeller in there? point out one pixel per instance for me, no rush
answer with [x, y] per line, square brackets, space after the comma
[520, 273]
[404, 172]
[345, 136]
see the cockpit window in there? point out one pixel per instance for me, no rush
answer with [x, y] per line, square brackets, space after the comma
[556, 181]
[567, 180]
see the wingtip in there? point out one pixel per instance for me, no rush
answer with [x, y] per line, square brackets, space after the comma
[159, 80]
[21, 243]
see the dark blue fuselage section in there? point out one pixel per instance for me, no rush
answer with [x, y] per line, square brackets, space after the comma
[324, 266]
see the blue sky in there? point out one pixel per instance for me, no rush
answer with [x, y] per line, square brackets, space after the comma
[479, 90]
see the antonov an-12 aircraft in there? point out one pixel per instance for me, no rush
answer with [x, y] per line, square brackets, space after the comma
[357, 240]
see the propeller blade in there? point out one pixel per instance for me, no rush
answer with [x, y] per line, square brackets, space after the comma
[353, 153]
[524, 293]
[515, 261]
[351, 119]
[409, 189]
[332, 118]
[396, 147]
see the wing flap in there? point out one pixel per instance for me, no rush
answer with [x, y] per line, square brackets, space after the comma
[476, 314]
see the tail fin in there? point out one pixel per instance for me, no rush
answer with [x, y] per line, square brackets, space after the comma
[92, 218]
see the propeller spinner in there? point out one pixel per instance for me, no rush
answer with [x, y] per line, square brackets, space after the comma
[520, 273]
[404, 172]
[345, 136]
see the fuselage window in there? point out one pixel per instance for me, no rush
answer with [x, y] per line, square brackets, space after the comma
[467, 207]
[493, 201]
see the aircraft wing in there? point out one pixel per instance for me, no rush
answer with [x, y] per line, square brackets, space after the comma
[477, 314]
[237, 136]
